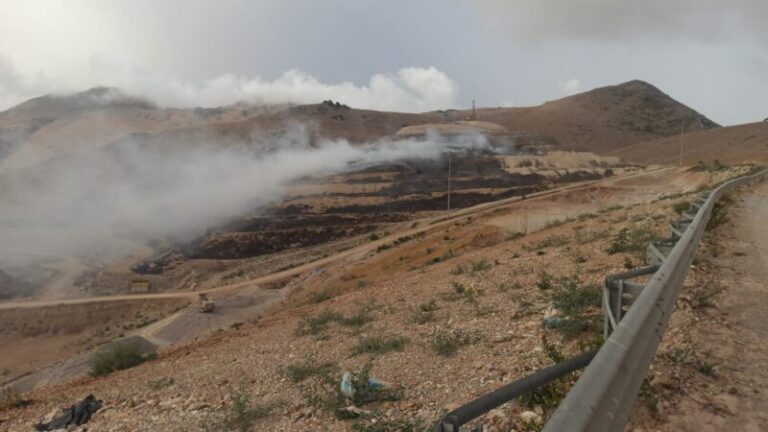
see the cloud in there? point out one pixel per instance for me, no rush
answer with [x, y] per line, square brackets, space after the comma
[410, 89]
[571, 87]
[611, 20]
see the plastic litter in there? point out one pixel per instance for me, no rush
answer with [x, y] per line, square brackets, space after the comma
[552, 322]
[78, 414]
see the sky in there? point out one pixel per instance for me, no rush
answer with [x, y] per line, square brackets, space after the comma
[403, 55]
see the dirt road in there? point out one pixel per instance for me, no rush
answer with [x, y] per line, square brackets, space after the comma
[735, 336]
[423, 225]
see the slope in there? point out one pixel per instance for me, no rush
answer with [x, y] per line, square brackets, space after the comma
[734, 144]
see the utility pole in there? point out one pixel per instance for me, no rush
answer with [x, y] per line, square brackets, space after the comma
[474, 117]
[449, 181]
[682, 130]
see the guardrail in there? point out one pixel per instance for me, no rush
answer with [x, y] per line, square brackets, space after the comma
[636, 316]
[602, 398]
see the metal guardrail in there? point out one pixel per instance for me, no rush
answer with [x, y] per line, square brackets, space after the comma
[452, 421]
[602, 398]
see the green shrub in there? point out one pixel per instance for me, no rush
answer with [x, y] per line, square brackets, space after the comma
[545, 281]
[632, 240]
[122, 356]
[325, 392]
[240, 414]
[551, 241]
[308, 368]
[319, 297]
[681, 207]
[425, 312]
[317, 325]
[11, 398]
[574, 302]
[447, 341]
[379, 345]
[478, 266]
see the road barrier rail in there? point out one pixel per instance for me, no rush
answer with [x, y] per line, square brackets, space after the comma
[636, 316]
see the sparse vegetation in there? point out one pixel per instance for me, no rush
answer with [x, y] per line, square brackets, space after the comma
[578, 304]
[379, 345]
[161, 383]
[240, 414]
[317, 325]
[384, 425]
[324, 392]
[632, 240]
[478, 266]
[308, 368]
[319, 297]
[545, 281]
[447, 341]
[555, 240]
[681, 207]
[425, 312]
[11, 398]
[122, 356]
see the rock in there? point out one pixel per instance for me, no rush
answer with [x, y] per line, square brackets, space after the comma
[530, 417]
[452, 406]
[199, 406]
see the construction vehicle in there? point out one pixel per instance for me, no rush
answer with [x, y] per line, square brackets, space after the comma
[206, 303]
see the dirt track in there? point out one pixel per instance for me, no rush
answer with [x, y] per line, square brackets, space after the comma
[422, 226]
[736, 341]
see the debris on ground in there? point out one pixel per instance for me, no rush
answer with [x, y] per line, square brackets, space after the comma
[76, 415]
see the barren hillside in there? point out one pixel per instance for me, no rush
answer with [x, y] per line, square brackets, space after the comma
[734, 144]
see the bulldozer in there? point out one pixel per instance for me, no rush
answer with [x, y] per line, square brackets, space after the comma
[206, 303]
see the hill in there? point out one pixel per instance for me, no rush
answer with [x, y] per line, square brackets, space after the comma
[735, 144]
[602, 120]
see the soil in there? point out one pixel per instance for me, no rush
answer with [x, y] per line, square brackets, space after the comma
[710, 373]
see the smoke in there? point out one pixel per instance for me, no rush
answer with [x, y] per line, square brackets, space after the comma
[105, 202]
[410, 89]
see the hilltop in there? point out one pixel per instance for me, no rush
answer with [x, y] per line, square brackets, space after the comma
[602, 120]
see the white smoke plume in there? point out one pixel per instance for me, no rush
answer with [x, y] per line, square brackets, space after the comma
[92, 205]
[410, 89]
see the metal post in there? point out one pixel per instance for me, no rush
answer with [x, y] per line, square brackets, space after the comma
[449, 181]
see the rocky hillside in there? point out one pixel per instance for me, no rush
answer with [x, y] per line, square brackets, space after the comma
[600, 121]
[603, 119]
[735, 144]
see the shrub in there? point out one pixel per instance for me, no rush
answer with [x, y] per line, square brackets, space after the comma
[161, 383]
[318, 324]
[551, 241]
[326, 393]
[121, 356]
[379, 345]
[681, 206]
[241, 414]
[478, 266]
[11, 398]
[425, 312]
[309, 368]
[575, 302]
[447, 341]
[634, 240]
[545, 281]
[548, 396]
[319, 297]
